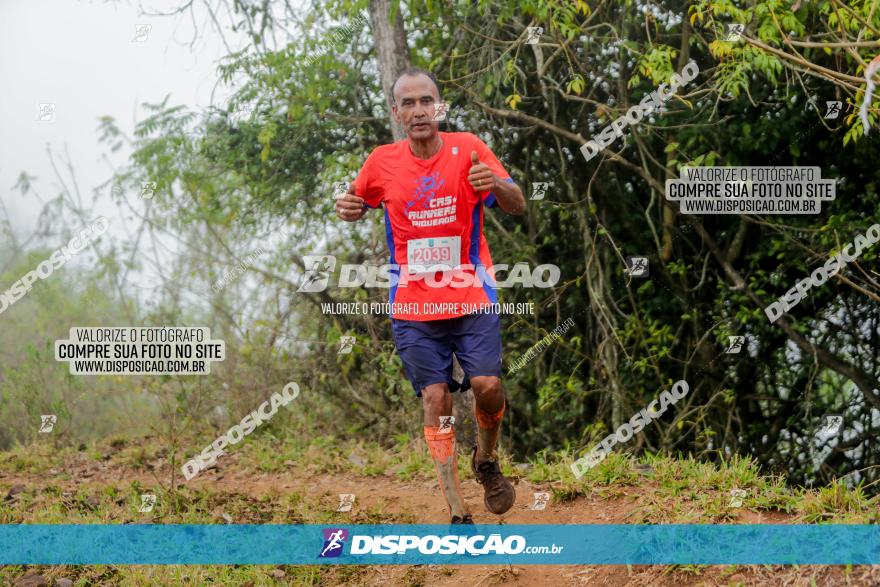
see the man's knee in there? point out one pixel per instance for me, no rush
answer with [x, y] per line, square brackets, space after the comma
[435, 396]
[486, 385]
[487, 389]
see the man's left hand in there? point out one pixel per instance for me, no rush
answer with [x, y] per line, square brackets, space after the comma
[480, 176]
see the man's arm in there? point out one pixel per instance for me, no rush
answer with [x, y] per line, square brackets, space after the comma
[364, 192]
[350, 207]
[510, 198]
[507, 193]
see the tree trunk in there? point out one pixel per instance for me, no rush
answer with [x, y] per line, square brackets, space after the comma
[684, 55]
[392, 52]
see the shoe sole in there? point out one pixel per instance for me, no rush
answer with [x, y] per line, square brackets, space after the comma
[506, 509]
[485, 499]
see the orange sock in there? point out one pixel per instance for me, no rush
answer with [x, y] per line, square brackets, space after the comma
[487, 419]
[440, 443]
[488, 428]
[442, 448]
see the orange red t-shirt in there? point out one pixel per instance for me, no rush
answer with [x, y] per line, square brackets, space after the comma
[433, 223]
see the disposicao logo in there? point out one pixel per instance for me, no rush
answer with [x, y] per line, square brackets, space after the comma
[334, 541]
[413, 546]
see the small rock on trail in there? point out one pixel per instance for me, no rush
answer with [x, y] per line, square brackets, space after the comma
[32, 580]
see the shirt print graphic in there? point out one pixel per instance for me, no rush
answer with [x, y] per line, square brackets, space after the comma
[433, 210]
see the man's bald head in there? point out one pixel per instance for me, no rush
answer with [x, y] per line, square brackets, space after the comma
[413, 72]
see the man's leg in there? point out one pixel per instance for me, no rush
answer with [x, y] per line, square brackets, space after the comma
[478, 348]
[489, 406]
[488, 411]
[437, 402]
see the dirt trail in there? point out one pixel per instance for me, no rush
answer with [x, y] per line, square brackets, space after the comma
[421, 501]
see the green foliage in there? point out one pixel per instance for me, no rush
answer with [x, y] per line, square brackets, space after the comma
[656, 65]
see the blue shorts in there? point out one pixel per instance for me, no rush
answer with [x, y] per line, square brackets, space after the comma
[426, 349]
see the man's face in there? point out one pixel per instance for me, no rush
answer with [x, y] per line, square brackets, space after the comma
[414, 106]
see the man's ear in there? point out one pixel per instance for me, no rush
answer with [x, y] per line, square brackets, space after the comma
[395, 113]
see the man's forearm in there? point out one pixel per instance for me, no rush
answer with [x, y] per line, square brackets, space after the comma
[510, 197]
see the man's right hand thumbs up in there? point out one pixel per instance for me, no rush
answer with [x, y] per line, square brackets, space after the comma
[480, 176]
[350, 207]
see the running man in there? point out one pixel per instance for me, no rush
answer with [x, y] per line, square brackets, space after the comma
[433, 186]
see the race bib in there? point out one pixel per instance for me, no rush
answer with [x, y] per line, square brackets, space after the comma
[427, 255]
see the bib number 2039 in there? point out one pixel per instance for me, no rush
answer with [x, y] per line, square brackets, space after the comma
[427, 255]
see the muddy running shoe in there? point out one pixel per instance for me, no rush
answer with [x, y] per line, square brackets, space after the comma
[466, 519]
[499, 495]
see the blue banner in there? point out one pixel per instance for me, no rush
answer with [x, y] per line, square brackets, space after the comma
[89, 544]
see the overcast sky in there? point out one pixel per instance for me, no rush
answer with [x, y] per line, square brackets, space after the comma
[84, 58]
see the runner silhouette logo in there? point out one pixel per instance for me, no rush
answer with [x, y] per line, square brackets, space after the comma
[334, 542]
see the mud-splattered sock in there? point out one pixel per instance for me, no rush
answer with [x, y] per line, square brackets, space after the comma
[442, 447]
[488, 429]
